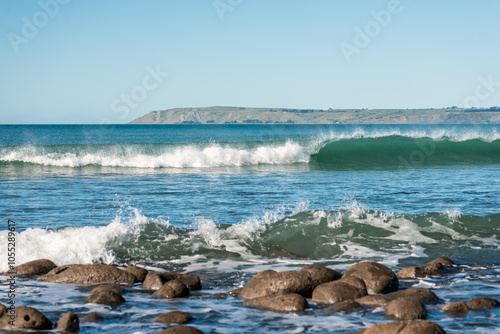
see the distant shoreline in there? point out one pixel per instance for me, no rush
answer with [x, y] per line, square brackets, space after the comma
[243, 115]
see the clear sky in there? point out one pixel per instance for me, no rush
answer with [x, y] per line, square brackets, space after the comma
[101, 61]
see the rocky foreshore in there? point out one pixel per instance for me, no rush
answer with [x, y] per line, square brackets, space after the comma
[362, 286]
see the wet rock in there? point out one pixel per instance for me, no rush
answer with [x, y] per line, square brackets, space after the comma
[406, 308]
[172, 289]
[270, 282]
[410, 272]
[3, 309]
[37, 267]
[334, 292]
[459, 307]
[140, 273]
[25, 318]
[68, 323]
[481, 302]
[373, 301]
[442, 260]
[354, 282]
[387, 328]
[108, 287]
[181, 330]
[320, 274]
[88, 273]
[408, 327]
[291, 302]
[425, 295]
[234, 292]
[92, 317]
[377, 277]
[155, 281]
[174, 317]
[105, 297]
[433, 269]
[345, 306]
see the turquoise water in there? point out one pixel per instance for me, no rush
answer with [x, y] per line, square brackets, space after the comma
[226, 201]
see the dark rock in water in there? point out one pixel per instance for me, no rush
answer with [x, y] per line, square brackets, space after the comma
[25, 318]
[459, 307]
[174, 317]
[92, 317]
[410, 272]
[377, 277]
[269, 282]
[3, 309]
[481, 302]
[155, 281]
[139, 272]
[407, 327]
[173, 289]
[108, 287]
[181, 330]
[88, 273]
[320, 274]
[345, 306]
[234, 292]
[291, 302]
[406, 308]
[373, 301]
[336, 291]
[442, 260]
[105, 297]
[433, 269]
[68, 323]
[37, 267]
[355, 282]
[425, 295]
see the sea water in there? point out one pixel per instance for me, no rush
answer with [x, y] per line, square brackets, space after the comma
[226, 201]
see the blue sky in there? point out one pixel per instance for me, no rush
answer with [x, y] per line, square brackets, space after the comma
[110, 61]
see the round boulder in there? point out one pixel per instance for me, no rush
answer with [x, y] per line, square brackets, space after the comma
[154, 281]
[425, 295]
[139, 272]
[270, 282]
[174, 317]
[433, 269]
[345, 306]
[445, 261]
[406, 308]
[26, 318]
[377, 277]
[335, 292]
[181, 330]
[291, 302]
[481, 302]
[108, 287]
[105, 297]
[172, 289]
[410, 272]
[92, 317]
[88, 273]
[320, 274]
[373, 301]
[32, 268]
[68, 323]
[459, 307]
[422, 327]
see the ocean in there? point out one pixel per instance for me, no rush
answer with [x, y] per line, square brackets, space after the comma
[226, 201]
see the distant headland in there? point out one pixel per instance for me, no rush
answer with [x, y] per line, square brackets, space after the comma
[242, 115]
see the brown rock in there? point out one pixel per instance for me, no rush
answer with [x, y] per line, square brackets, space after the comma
[191, 281]
[234, 292]
[377, 277]
[174, 317]
[155, 281]
[433, 269]
[181, 330]
[108, 287]
[68, 323]
[334, 292]
[320, 274]
[105, 297]
[406, 308]
[291, 302]
[172, 289]
[373, 301]
[37, 267]
[459, 307]
[410, 272]
[481, 302]
[422, 327]
[92, 317]
[25, 318]
[345, 306]
[3, 309]
[442, 260]
[425, 295]
[271, 283]
[88, 273]
[355, 282]
[140, 273]
[387, 328]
